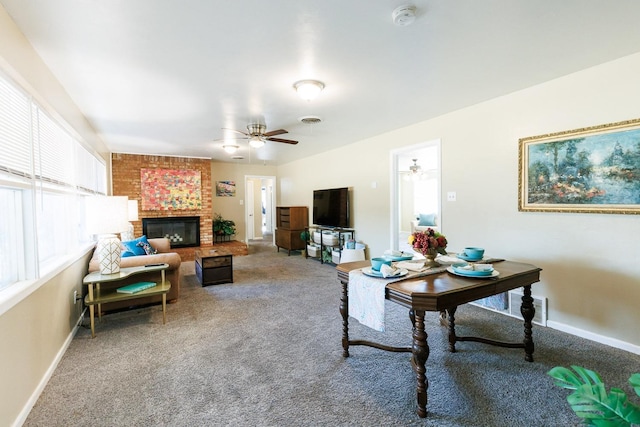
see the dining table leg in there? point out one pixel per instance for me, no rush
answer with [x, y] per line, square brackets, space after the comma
[420, 351]
[451, 324]
[344, 311]
[528, 311]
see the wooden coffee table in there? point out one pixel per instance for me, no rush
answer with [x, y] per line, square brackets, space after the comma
[214, 266]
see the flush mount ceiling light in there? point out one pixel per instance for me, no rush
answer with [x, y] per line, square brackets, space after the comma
[230, 148]
[308, 89]
[255, 141]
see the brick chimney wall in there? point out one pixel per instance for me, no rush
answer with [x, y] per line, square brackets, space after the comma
[125, 170]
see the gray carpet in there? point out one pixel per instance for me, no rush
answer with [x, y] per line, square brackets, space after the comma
[265, 351]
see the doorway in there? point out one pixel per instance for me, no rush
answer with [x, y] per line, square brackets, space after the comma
[415, 189]
[260, 208]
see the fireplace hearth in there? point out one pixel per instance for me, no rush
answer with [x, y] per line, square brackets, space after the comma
[182, 231]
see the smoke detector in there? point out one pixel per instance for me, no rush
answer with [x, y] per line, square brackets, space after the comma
[404, 15]
[310, 120]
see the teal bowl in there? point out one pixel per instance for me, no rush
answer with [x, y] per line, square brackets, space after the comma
[376, 263]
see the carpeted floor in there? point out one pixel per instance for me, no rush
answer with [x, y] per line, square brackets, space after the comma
[265, 351]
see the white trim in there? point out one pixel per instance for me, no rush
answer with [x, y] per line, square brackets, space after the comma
[26, 409]
[611, 342]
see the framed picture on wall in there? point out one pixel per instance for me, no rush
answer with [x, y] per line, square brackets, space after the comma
[225, 189]
[591, 170]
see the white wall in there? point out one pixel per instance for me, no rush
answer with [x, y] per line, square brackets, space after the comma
[591, 273]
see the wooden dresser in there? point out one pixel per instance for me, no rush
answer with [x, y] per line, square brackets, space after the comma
[291, 221]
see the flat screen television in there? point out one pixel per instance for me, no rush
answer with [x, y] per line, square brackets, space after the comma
[331, 207]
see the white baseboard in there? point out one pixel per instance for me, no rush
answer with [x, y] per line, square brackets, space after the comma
[611, 342]
[22, 417]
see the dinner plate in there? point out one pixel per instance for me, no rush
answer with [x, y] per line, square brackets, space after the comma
[399, 258]
[494, 273]
[474, 272]
[373, 273]
[470, 259]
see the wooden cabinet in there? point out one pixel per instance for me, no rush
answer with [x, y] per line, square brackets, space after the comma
[291, 221]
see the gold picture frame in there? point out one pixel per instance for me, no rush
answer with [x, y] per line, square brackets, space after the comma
[589, 170]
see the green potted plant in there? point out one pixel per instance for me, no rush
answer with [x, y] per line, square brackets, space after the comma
[591, 402]
[223, 228]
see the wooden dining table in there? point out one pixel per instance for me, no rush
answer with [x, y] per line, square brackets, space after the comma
[443, 292]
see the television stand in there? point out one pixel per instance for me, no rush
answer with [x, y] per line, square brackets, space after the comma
[326, 243]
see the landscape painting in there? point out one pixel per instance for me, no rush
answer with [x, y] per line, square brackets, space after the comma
[594, 170]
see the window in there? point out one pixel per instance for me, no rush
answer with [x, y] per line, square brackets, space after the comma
[44, 175]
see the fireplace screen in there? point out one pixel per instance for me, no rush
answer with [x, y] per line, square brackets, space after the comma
[181, 231]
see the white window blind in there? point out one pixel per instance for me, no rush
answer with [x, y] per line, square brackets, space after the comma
[55, 159]
[15, 125]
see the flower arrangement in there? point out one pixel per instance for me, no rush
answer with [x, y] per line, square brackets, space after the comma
[428, 242]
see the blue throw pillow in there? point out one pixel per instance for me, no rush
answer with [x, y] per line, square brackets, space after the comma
[132, 245]
[427, 220]
[127, 254]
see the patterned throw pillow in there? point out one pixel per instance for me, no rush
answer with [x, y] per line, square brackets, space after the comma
[148, 249]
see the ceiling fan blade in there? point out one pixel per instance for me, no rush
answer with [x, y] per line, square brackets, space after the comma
[238, 131]
[286, 141]
[275, 132]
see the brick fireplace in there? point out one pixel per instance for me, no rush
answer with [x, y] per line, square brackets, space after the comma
[126, 180]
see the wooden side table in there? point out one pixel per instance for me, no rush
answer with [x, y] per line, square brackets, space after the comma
[214, 266]
[102, 296]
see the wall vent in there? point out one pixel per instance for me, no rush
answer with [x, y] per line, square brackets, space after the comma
[540, 304]
[512, 306]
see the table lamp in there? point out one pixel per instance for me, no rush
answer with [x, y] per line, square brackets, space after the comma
[105, 216]
[132, 216]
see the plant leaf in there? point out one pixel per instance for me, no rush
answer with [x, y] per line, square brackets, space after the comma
[591, 402]
[564, 378]
[635, 383]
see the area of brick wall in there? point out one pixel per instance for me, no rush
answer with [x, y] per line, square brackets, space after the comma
[126, 182]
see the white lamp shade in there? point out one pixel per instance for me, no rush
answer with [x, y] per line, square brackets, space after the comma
[106, 214]
[133, 210]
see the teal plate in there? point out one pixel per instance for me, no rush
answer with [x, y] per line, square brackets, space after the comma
[470, 273]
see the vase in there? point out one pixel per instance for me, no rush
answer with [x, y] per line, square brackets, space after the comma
[430, 260]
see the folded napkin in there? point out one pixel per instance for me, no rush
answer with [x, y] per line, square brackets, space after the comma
[447, 259]
[412, 265]
[477, 267]
[389, 271]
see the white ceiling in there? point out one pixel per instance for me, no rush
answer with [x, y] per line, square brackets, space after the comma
[164, 77]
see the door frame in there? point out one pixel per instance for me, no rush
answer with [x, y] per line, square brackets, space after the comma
[394, 201]
[270, 208]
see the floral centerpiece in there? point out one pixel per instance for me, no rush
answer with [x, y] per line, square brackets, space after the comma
[429, 243]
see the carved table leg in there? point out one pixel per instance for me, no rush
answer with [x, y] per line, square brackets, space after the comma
[420, 350]
[344, 311]
[452, 329]
[528, 311]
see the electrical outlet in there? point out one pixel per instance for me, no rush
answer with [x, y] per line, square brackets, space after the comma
[75, 296]
[451, 196]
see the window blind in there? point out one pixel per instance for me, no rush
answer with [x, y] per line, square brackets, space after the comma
[15, 130]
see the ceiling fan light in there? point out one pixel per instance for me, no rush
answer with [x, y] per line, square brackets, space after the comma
[256, 142]
[230, 148]
[308, 89]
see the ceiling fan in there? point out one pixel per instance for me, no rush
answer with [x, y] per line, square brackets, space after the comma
[257, 136]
